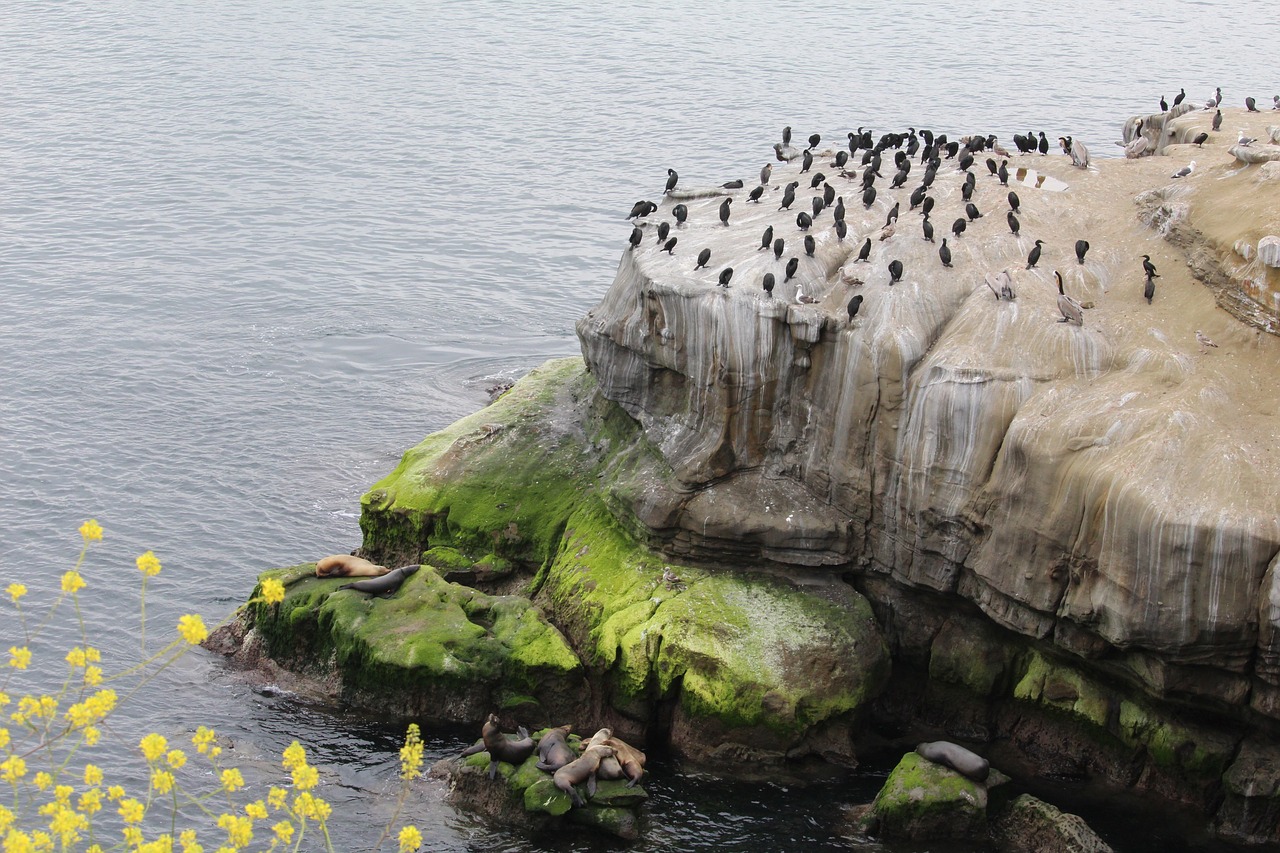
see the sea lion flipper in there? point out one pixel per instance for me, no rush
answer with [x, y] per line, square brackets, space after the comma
[478, 746]
[493, 767]
[591, 785]
[521, 732]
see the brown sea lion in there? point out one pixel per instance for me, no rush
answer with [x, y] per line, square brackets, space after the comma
[501, 747]
[627, 763]
[582, 769]
[554, 751]
[347, 566]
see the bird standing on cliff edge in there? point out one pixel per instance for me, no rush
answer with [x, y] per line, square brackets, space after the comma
[1203, 340]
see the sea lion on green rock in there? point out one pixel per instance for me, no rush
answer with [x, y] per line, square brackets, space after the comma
[347, 566]
[582, 769]
[956, 757]
[627, 763]
[500, 746]
[554, 751]
[385, 585]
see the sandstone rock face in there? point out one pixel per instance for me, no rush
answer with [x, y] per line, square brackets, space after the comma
[1269, 250]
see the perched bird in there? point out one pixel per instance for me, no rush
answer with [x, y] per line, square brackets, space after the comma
[828, 194]
[725, 275]
[1164, 105]
[663, 230]
[767, 283]
[865, 251]
[806, 162]
[681, 213]
[1138, 147]
[778, 246]
[1003, 173]
[703, 257]
[1177, 99]
[1079, 153]
[817, 204]
[636, 236]
[1033, 257]
[887, 231]
[1203, 340]
[814, 140]
[1201, 139]
[755, 194]
[854, 304]
[895, 271]
[1217, 121]
[672, 177]
[1071, 310]
[1276, 100]
[944, 253]
[724, 211]
[788, 195]
[957, 227]
[1082, 246]
[1044, 144]
[841, 230]
[917, 196]
[971, 211]
[765, 173]
[641, 208]
[801, 298]
[1014, 224]
[792, 265]
[991, 166]
[766, 239]
[1149, 289]
[838, 213]
[732, 185]
[670, 246]
[777, 153]
[1148, 267]
[1217, 97]
[1006, 286]
[1251, 106]
[869, 197]
[926, 205]
[809, 244]
[927, 227]
[893, 214]
[803, 220]
[1014, 202]
[1185, 170]
[786, 135]
[1244, 141]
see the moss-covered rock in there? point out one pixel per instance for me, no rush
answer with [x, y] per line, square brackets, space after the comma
[433, 648]
[922, 800]
[1032, 824]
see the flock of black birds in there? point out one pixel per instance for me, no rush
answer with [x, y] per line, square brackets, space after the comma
[906, 151]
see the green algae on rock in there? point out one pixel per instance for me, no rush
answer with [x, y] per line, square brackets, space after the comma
[921, 800]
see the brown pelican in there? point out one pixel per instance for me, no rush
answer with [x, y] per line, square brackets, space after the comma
[1071, 311]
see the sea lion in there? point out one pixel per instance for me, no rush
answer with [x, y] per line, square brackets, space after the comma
[554, 751]
[385, 585]
[582, 769]
[347, 566]
[956, 757]
[501, 747]
[627, 762]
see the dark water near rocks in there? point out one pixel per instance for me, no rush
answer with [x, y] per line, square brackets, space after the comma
[251, 252]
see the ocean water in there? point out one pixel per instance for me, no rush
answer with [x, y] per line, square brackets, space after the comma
[250, 253]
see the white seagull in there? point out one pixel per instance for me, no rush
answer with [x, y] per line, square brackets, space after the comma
[1203, 340]
[1244, 140]
[1185, 170]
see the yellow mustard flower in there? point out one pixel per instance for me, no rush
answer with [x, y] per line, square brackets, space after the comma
[62, 794]
[305, 777]
[4, 698]
[276, 797]
[42, 781]
[294, 756]
[4, 737]
[132, 836]
[18, 842]
[256, 810]
[176, 759]
[94, 848]
[92, 735]
[283, 831]
[72, 582]
[76, 657]
[6, 818]
[162, 844]
[162, 781]
[92, 774]
[272, 591]
[16, 591]
[12, 769]
[92, 676]
[187, 838]
[131, 810]
[232, 781]
[90, 801]
[411, 754]
[202, 739]
[19, 657]
[92, 655]
[91, 530]
[115, 793]
[410, 839]
[192, 629]
[153, 746]
[239, 829]
[67, 825]
[148, 564]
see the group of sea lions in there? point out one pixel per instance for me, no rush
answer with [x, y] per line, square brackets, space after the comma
[381, 581]
[603, 756]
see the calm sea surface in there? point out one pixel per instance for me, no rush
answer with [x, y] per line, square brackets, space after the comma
[251, 252]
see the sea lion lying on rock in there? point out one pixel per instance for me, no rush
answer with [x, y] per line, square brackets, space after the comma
[501, 747]
[627, 762]
[384, 585]
[956, 757]
[582, 769]
[554, 751]
[347, 566]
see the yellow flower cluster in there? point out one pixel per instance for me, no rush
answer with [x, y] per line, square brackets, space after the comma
[192, 629]
[148, 564]
[19, 657]
[411, 754]
[272, 591]
[16, 591]
[91, 530]
[72, 582]
[410, 840]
